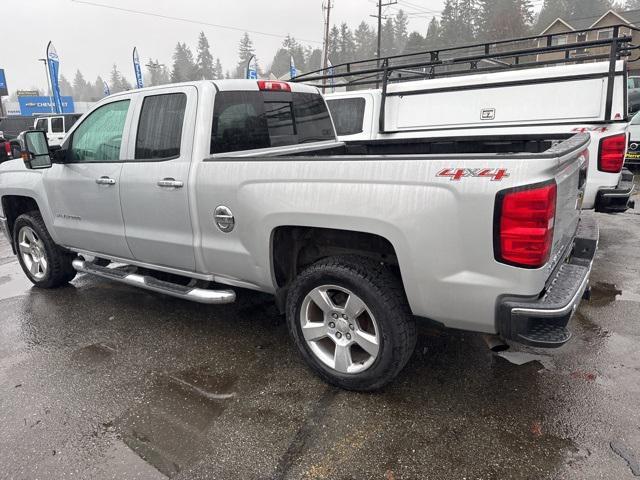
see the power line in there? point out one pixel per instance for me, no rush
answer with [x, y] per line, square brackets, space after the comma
[187, 20]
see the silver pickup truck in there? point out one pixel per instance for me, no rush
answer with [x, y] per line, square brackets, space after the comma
[197, 190]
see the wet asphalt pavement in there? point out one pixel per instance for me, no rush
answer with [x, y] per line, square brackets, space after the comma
[101, 381]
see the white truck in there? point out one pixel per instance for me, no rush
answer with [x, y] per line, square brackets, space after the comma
[510, 90]
[199, 189]
[56, 126]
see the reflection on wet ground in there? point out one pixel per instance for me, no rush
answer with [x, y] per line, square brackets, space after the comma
[168, 428]
[101, 380]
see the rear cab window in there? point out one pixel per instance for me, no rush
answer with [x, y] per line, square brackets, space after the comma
[348, 115]
[250, 120]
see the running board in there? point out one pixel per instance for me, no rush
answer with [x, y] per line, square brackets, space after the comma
[199, 295]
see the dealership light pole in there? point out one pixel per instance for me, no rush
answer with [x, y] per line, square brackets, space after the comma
[46, 72]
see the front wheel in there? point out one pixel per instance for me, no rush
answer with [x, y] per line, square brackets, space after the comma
[44, 262]
[350, 320]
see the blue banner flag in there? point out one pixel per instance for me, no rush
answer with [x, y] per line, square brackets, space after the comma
[293, 71]
[3, 84]
[136, 68]
[252, 68]
[53, 64]
[106, 89]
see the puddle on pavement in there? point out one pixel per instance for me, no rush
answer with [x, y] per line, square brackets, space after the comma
[94, 354]
[169, 429]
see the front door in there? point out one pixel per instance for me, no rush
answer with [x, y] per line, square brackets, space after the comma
[154, 188]
[84, 194]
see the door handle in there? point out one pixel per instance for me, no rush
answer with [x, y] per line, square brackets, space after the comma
[170, 183]
[105, 181]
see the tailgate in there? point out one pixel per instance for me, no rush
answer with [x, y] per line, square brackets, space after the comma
[571, 177]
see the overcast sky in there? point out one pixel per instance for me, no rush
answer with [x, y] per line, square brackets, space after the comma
[93, 38]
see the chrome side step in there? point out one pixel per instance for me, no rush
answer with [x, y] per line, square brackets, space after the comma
[199, 295]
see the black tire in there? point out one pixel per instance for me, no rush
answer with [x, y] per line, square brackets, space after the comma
[59, 269]
[383, 294]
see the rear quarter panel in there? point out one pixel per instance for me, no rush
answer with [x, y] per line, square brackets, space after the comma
[441, 229]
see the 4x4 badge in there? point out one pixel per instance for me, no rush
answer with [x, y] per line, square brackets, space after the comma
[457, 174]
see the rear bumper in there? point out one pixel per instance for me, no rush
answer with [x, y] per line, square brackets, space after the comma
[542, 321]
[617, 200]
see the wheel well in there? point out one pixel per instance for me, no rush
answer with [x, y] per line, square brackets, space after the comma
[294, 248]
[13, 206]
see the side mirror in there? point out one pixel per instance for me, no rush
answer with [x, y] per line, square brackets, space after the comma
[35, 149]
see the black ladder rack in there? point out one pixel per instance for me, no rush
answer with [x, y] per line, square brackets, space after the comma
[514, 54]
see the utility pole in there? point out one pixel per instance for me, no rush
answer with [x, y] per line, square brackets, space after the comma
[380, 17]
[325, 60]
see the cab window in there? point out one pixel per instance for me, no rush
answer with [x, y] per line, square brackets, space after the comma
[57, 125]
[348, 115]
[41, 124]
[99, 137]
[160, 127]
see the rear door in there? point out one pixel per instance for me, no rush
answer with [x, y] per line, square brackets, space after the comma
[56, 130]
[155, 178]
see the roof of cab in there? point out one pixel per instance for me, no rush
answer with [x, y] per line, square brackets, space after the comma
[224, 85]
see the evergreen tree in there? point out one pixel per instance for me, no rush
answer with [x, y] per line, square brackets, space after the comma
[218, 74]
[158, 74]
[347, 47]
[551, 10]
[415, 43]
[66, 88]
[282, 61]
[80, 91]
[117, 82]
[97, 89]
[458, 23]
[588, 8]
[245, 51]
[184, 67]
[334, 45]
[314, 59]
[365, 41]
[434, 33]
[388, 38]
[401, 31]
[504, 19]
[204, 60]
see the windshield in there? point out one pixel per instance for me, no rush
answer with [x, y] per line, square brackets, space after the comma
[636, 119]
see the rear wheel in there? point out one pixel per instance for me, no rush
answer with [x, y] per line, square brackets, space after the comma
[44, 262]
[350, 320]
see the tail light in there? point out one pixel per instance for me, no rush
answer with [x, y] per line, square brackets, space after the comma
[611, 155]
[273, 86]
[524, 222]
[7, 148]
